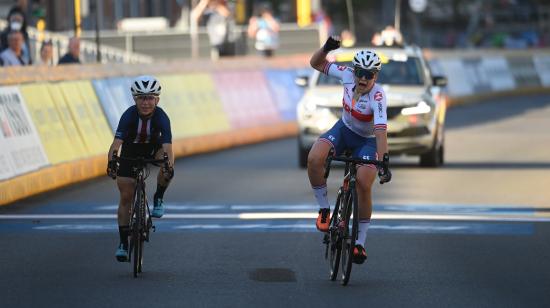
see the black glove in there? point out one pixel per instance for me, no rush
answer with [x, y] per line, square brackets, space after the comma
[112, 168]
[384, 175]
[331, 44]
[384, 172]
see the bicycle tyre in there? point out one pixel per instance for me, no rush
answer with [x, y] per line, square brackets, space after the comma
[142, 229]
[334, 243]
[136, 231]
[348, 243]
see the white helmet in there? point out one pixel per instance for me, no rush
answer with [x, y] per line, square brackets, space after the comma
[368, 60]
[145, 85]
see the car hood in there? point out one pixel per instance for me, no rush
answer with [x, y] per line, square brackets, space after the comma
[331, 96]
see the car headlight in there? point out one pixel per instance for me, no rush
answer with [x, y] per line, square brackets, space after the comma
[421, 108]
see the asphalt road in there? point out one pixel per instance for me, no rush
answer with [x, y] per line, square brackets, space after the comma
[239, 230]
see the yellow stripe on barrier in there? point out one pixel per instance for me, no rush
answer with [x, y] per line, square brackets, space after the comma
[49, 123]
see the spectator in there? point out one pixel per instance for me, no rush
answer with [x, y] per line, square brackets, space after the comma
[376, 39]
[347, 38]
[16, 22]
[46, 53]
[13, 55]
[390, 36]
[73, 54]
[324, 22]
[219, 24]
[264, 28]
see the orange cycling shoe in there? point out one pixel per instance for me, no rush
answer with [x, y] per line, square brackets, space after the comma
[323, 220]
[359, 254]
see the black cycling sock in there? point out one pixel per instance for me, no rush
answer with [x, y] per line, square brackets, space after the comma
[159, 194]
[124, 231]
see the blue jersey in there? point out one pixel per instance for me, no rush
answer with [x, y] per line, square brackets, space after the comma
[154, 130]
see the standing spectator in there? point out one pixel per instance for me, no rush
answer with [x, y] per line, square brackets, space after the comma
[264, 28]
[219, 24]
[390, 36]
[46, 53]
[17, 22]
[73, 54]
[13, 55]
[347, 38]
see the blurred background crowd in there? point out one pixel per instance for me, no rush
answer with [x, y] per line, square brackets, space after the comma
[49, 32]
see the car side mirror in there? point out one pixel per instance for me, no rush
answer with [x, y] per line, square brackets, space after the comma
[301, 81]
[439, 81]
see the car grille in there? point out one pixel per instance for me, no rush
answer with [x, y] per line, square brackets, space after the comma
[393, 112]
[411, 132]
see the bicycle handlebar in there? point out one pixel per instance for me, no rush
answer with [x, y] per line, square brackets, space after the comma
[354, 160]
[141, 160]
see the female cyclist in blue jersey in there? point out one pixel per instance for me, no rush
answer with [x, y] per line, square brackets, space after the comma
[362, 129]
[143, 131]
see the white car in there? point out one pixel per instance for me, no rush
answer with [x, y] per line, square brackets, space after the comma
[416, 104]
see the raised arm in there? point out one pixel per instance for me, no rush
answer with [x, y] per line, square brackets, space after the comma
[318, 59]
[197, 11]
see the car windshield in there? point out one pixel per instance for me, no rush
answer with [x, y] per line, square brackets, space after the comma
[393, 73]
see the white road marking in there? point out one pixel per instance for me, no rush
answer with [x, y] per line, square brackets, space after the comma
[293, 215]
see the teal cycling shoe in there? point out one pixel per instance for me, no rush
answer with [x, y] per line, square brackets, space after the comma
[158, 209]
[121, 253]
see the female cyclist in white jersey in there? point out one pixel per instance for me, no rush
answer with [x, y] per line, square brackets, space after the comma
[362, 129]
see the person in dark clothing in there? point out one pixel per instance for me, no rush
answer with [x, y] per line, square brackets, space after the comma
[17, 21]
[73, 54]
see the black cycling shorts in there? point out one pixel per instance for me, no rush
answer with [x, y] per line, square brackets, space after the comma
[134, 150]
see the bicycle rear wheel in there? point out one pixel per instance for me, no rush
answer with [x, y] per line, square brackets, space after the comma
[334, 244]
[349, 235]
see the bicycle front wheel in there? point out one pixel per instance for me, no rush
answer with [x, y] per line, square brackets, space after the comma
[334, 243]
[138, 220]
[350, 235]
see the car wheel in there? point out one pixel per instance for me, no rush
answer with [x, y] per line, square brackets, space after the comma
[435, 157]
[302, 155]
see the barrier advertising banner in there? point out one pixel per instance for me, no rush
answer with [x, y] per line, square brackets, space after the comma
[285, 92]
[542, 65]
[49, 123]
[90, 100]
[82, 118]
[115, 97]
[246, 98]
[193, 104]
[21, 146]
[68, 123]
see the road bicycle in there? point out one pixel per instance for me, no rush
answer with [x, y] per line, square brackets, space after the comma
[141, 223]
[343, 227]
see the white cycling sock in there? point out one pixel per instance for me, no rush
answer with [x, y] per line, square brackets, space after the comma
[321, 196]
[362, 232]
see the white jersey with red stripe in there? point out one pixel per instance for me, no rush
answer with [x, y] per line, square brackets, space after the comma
[369, 112]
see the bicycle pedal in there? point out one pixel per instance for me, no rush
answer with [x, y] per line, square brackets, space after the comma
[154, 228]
[325, 239]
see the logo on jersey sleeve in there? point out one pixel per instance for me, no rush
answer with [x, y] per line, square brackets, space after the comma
[378, 96]
[341, 68]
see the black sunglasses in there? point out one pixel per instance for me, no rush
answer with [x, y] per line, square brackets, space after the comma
[360, 73]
